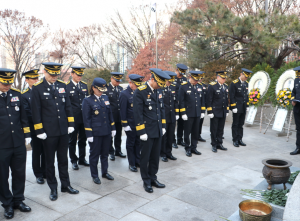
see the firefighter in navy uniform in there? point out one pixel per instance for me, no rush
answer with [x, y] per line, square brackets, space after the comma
[149, 116]
[77, 91]
[172, 114]
[99, 128]
[53, 122]
[113, 93]
[239, 105]
[15, 132]
[204, 90]
[217, 109]
[179, 79]
[296, 109]
[192, 108]
[38, 156]
[127, 118]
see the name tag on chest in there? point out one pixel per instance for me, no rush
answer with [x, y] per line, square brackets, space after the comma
[46, 93]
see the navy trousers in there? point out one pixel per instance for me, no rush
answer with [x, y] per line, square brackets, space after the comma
[99, 148]
[133, 147]
[80, 132]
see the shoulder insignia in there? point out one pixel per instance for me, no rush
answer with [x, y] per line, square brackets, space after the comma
[226, 84]
[247, 82]
[199, 83]
[235, 81]
[68, 83]
[107, 84]
[61, 81]
[143, 87]
[15, 89]
[23, 92]
[83, 82]
[212, 83]
[173, 85]
[37, 83]
[183, 83]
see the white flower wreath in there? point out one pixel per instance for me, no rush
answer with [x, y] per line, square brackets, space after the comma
[261, 80]
[286, 80]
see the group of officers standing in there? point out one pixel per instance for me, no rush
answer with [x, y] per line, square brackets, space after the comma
[53, 116]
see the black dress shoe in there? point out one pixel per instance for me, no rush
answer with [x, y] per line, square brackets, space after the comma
[295, 152]
[75, 166]
[40, 180]
[188, 153]
[112, 157]
[174, 145]
[181, 143]
[171, 157]
[147, 188]
[201, 139]
[97, 180]
[69, 189]
[241, 143]
[165, 159]
[9, 212]
[23, 207]
[84, 163]
[120, 154]
[214, 149]
[236, 143]
[195, 151]
[221, 147]
[107, 176]
[157, 184]
[53, 195]
[133, 168]
[137, 165]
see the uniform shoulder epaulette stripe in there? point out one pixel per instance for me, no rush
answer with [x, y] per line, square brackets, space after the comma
[226, 84]
[107, 84]
[173, 85]
[37, 83]
[183, 83]
[83, 82]
[143, 87]
[68, 83]
[61, 81]
[15, 89]
[23, 92]
[199, 83]
[247, 82]
[235, 81]
[212, 83]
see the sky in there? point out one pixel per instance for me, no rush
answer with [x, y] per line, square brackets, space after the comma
[70, 14]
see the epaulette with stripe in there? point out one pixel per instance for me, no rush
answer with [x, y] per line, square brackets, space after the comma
[61, 81]
[68, 83]
[37, 83]
[226, 84]
[83, 82]
[212, 83]
[23, 92]
[173, 85]
[199, 83]
[235, 81]
[143, 87]
[15, 89]
[247, 82]
[183, 83]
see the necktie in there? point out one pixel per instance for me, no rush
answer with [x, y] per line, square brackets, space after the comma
[53, 86]
[222, 87]
[78, 86]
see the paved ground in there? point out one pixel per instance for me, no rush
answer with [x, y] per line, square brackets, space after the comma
[205, 187]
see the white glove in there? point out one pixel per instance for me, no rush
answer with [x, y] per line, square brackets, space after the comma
[247, 109]
[234, 110]
[90, 139]
[177, 117]
[127, 128]
[144, 137]
[70, 130]
[226, 114]
[113, 133]
[202, 115]
[27, 140]
[42, 136]
[210, 115]
[163, 131]
[184, 117]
